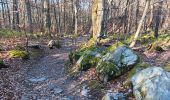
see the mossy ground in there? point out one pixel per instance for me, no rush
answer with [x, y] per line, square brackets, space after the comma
[10, 33]
[18, 54]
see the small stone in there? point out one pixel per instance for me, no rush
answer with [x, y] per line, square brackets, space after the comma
[51, 86]
[24, 97]
[36, 80]
[84, 91]
[57, 90]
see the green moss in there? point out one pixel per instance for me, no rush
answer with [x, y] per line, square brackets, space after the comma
[18, 54]
[88, 61]
[112, 47]
[9, 33]
[167, 66]
[74, 56]
[155, 47]
[106, 68]
[85, 46]
[85, 63]
[147, 38]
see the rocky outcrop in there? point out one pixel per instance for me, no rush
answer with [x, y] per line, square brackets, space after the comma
[152, 83]
[114, 63]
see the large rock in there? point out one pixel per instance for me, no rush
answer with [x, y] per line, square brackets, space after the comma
[53, 43]
[152, 83]
[89, 58]
[114, 63]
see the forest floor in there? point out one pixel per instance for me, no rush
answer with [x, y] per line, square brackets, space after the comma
[44, 78]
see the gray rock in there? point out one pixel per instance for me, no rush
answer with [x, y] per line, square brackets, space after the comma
[152, 83]
[24, 97]
[114, 96]
[51, 86]
[34, 45]
[57, 90]
[64, 98]
[51, 44]
[116, 62]
[84, 91]
[37, 79]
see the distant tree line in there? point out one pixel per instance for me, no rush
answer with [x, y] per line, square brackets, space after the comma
[58, 17]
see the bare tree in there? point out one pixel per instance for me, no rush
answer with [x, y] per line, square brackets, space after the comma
[140, 24]
[47, 20]
[29, 16]
[15, 15]
[157, 19]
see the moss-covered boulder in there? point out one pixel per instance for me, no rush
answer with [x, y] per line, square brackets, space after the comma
[114, 63]
[90, 58]
[18, 54]
[75, 55]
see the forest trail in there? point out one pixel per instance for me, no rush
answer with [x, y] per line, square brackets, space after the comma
[46, 79]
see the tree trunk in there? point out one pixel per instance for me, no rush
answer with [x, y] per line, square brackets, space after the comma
[76, 17]
[47, 22]
[15, 15]
[157, 19]
[140, 24]
[98, 18]
[29, 16]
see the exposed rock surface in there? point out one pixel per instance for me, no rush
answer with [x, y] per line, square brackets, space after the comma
[152, 83]
[116, 62]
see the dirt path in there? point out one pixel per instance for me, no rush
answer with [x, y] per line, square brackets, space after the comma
[43, 79]
[46, 79]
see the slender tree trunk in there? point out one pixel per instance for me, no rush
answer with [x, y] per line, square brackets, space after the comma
[15, 15]
[140, 24]
[59, 19]
[9, 16]
[76, 17]
[47, 22]
[3, 15]
[151, 14]
[29, 16]
[158, 18]
[136, 14]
